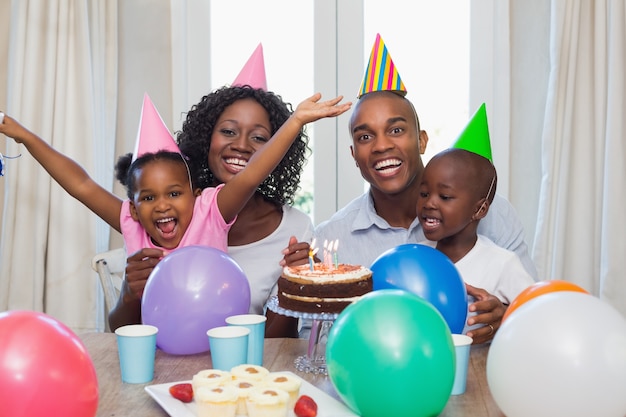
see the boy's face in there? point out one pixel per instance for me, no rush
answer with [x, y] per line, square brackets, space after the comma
[239, 132]
[448, 201]
[163, 201]
[386, 143]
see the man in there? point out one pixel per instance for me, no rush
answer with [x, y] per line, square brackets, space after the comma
[387, 143]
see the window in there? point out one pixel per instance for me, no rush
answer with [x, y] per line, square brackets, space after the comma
[430, 47]
[428, 43]
[285, 28]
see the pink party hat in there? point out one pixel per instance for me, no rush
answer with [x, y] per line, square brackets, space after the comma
[153, 135]
[381, 73]
[253, 72]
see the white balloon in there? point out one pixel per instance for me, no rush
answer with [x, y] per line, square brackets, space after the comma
[560, 354]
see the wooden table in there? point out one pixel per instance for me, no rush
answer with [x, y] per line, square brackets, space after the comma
[120, 399]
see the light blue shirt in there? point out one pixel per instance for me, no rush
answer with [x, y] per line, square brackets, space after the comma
[364, 235]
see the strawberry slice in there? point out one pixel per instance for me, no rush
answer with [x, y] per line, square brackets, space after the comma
[305, 407]
[182, 392]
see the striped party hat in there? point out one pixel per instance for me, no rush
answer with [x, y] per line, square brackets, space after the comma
[381, 73]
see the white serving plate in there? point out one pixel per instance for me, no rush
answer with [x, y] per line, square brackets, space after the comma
[327, 406]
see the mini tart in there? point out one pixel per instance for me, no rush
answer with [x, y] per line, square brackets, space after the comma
[267, 402]
[216, 401]
[209, 377]
[243, 387]
[249, 371]
[288, 383]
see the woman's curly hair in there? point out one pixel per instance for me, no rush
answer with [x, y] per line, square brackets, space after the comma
[194, 140]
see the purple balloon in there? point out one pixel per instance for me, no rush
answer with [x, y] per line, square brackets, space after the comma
[190, 291]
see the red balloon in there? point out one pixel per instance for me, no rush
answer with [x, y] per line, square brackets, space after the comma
[44, 368]
[540, 288]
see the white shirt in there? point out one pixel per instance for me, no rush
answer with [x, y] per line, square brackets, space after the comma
[494, 269]
[259, 260]
[364, 235]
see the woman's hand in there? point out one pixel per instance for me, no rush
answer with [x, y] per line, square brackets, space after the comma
[296, 253]
[138, 268]
[489, 311]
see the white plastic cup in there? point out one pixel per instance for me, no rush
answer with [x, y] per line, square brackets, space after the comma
[136, 345]
[256, 338]
[462, 344]
[229, 346]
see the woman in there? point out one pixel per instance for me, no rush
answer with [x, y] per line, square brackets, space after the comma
[219, 135]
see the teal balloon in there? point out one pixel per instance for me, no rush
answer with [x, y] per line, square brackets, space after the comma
[391, 354]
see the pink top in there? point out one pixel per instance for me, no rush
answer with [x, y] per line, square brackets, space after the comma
[207, 227]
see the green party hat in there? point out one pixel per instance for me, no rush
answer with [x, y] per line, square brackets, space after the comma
[475, 136]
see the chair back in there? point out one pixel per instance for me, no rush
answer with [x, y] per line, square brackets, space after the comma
[110, 266]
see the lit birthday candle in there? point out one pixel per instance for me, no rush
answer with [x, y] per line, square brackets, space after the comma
[312, 252]
[326, 253]
[336, 258]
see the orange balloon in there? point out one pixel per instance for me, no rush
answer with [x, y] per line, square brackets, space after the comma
[540, 288]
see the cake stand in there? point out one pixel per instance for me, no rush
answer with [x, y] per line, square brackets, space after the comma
[315, 359]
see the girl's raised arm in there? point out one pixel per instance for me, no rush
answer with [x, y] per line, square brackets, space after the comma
[236, 192]
[67, 173]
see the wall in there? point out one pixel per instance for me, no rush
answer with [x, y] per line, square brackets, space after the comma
[144, 67]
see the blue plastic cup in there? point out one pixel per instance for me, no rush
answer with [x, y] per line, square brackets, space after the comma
[462, 344]
[136, 344]
[229, 346]
[256, 338]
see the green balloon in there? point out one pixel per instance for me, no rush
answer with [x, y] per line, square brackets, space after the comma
[391, 354]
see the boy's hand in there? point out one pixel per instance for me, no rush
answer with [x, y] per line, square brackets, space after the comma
[312, 109]
[490, 311]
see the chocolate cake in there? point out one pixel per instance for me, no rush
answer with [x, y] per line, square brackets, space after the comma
[325, 289]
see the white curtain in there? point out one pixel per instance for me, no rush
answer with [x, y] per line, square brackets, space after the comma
[61, 84]
[581, 226]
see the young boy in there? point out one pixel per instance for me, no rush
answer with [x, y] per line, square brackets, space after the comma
[456, 191]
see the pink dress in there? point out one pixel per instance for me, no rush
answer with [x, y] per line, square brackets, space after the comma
[207, 227]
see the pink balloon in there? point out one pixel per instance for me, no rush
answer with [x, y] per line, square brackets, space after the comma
[192, 290]
[44, 368]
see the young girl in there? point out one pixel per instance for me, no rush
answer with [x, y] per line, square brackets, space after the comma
[162, 201]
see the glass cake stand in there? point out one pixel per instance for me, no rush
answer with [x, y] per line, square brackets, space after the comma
[315, 359]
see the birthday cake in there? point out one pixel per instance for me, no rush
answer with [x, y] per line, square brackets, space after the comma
[322, 287]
